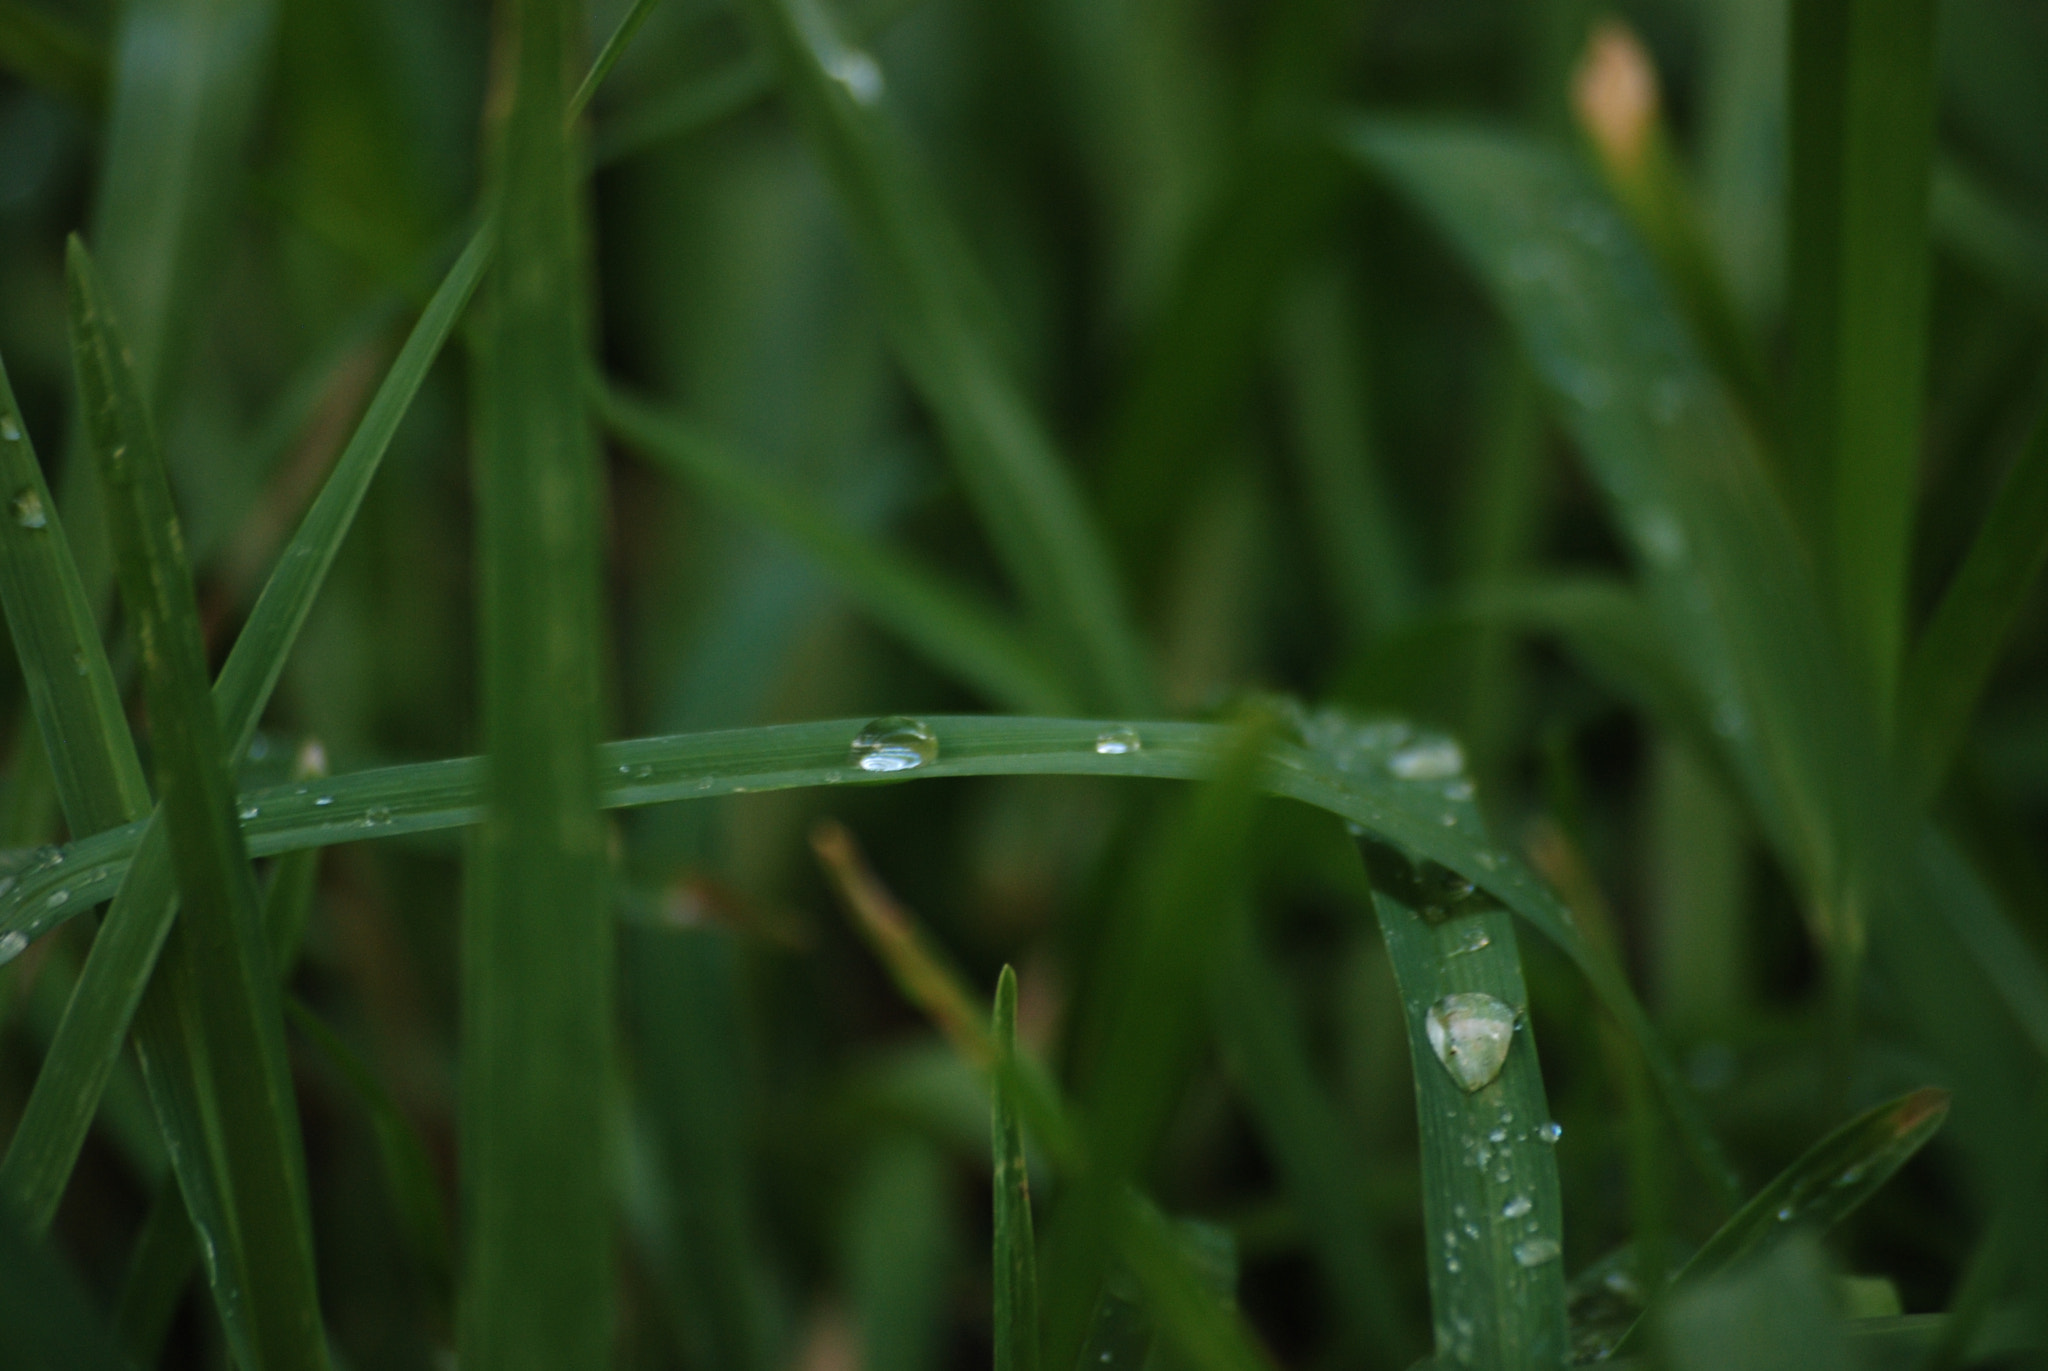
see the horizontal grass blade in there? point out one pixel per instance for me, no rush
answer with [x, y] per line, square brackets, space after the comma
[88, 1040]
[943, 322]
[1016, 1250]
[952, 628]
[253, 1148]
[1951, 663]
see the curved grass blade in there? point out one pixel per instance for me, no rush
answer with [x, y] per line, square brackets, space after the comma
[1952, 662]
[88, 1040]
[945, 329]
[252, 1145]
[950, 627]
[1016, 1250]
[537, 939]
[1357, 782]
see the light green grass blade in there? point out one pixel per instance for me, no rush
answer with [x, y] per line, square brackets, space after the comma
[253, 1147]
[1016, 1250]
[1492, 1218]
[46, 51]
[608, 56]
[1952, 662]
[943, 322]
[950, 627]
[1319, 1166]
[537, 961]
[88, 1040]
[1862, 144]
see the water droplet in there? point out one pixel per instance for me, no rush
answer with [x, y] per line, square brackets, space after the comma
[1499, 1135]
[1785, 1214]
[1116, 742]
[58, 899]
[248, 812]
[1537, 1251]
[856, 71]
[1488, 861]
[1471, 940]
[1433, 759]
[376, 817]
[12, 944]
[1470, 1033]
[324, 801]
[1459, 791]
[9, 430]
[895, 743]
[1550, 1132]
[1516, 1207]
[29, 511]
[1851, 1176]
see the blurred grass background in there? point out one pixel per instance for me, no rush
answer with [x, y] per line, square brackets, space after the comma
[1323, 467]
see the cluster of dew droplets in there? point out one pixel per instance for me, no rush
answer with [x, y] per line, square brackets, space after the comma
[894, 743]
[29, 511]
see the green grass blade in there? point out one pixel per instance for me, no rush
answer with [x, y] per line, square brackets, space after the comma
[944, 327]
[255, 1154]
[1778, 1315]
[1016, 1250]
[1197, 1321]
[692, 105]
[1862, 143]
[537, 963]
[46, 51]
[1951, 663]
[1318, 1165]
[608, 56]
[88, 1040]
[159, 1268]
[1492, 1218]
[952, 628]
[1973, 223]
[898, 1249]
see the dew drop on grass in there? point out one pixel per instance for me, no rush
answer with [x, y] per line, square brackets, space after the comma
[1550, 1132]
[1471, 1033]
[1517, 1207]
[29, 511]
[1471, 940]
[1537, 1251]
[376, 817]
[249, 812]
[1433, 759]
[12, 944]
[858, 73]
[894, 743]
[9, 429]
[58, 899]
[324, 801]
[1117, 742]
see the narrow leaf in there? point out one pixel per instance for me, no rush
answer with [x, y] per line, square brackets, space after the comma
[1016, 1250]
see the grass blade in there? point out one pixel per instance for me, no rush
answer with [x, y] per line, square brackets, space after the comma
[608, 56]
[1862, 144]
[88, 1040]
[158, 1270]
[945, 331]
[1974, 224]
[1016, 1250]
[1952, 662]
[255, 1154]
[1200, 1323]
[536, 1038]
[950, 627]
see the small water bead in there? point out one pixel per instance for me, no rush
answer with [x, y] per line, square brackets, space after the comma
[58, 899]
[858, 72]
[1550, 1132]
[324, 801]
[1459, 791]
[1471, 940]
[9, 429]
[1117, 742]
[894, 743]
[376, 817]
[1537, 1251]
[1786, 1214]
[248, 812]
[1517, 1207]
[29, 511]
[1471, 1032]
[1499, 1135]
[12, 944]
[1433, 759]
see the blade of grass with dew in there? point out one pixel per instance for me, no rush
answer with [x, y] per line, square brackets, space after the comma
[46, 51]
[1355, 779]
[253, 1149]
[48, 1315]
[1862, 145]
[952, 628]
[1492, 1218]
[946, 332]
[683, 1000]
[1262, 1041]
[1016, 1250]
[1723, 567]
[537, 960]
[88, 1041]
[1951, 663]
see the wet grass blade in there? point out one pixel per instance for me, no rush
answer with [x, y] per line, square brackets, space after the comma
[952, 628]
[945, 328]
[88, 1040]
[253, 1147]
[1953, 659]
[537, 960]
[1016, 1250]
[1862, 144]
